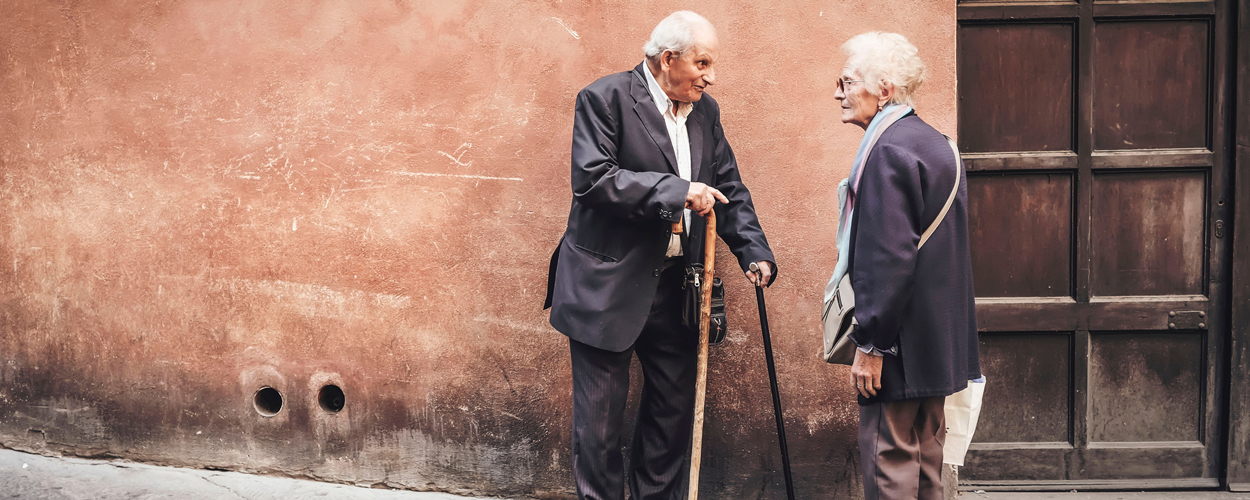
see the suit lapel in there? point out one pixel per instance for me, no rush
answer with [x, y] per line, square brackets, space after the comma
[695, 131]
[651, 119]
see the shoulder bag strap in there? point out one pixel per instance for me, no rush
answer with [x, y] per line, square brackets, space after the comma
[959, 168]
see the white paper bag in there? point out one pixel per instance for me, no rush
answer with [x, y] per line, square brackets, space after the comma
[963, 408]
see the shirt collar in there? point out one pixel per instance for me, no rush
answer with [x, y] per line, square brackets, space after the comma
[662, 102]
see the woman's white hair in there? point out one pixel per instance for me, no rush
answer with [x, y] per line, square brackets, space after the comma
[883, 59]
[675, 33]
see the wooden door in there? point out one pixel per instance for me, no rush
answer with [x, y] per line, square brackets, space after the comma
[1095, 138]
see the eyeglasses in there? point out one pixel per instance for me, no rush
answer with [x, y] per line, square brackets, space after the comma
[844, 83]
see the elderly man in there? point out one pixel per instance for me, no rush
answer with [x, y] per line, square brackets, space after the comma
[648, 152]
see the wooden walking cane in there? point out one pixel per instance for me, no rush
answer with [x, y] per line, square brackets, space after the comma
[705, 319]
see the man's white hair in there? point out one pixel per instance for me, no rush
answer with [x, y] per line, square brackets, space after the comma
[675, 33]
[882, 59]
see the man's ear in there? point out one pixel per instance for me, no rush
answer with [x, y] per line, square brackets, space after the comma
[667, 59]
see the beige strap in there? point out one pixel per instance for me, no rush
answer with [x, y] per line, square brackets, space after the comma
[959, 168]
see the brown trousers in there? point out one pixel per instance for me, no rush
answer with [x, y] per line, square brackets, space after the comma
[900, 449]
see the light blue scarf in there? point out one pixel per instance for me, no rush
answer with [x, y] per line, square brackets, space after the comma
[848, 187]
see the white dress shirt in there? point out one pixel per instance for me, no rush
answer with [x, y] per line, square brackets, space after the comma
[677, 135]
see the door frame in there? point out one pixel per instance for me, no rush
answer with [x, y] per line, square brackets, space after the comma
[1238, 464]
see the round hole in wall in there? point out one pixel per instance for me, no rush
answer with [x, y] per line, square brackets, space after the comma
[331, 398]
[268, 401]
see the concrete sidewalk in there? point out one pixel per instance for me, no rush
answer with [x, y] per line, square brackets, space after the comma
[1118, 495]
[35, 477]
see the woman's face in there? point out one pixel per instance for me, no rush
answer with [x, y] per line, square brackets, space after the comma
[858, 105]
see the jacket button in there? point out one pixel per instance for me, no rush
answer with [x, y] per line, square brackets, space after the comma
[655, 273]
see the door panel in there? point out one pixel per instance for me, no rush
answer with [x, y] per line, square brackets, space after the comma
[991, 465]
[1158, 463]
[1021, 257]
[1145, 386]
[1150, 233]
[1093, 136]
[1029, 399]
[1150, 85]
[1033, 113]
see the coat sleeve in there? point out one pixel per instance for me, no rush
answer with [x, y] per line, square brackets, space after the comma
[599, 182]
[736, 222]
[887, 217]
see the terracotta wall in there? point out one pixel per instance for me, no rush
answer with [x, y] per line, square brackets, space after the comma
[202, 198]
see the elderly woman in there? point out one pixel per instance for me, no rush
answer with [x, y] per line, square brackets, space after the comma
[915, 309]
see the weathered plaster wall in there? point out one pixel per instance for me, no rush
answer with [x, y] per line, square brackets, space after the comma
[201, 198]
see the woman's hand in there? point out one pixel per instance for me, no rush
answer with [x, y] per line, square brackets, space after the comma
[866, 373]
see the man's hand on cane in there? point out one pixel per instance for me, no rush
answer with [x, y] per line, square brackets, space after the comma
[760, 273]
[702, 197]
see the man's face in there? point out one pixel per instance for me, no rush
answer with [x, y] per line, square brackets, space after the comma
[687, 76]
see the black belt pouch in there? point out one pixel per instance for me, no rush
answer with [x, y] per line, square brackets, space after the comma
[693, 294]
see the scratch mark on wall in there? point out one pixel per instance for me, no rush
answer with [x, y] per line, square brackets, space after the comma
[570, 30]
[362, 188]
[459, 153]
[462, 176]
[309, 300]
[518, 419]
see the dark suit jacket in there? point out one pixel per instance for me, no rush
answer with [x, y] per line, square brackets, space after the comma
[626, 196]
[922, 301]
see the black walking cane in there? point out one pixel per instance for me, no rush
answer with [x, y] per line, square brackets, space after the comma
[772, 379]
